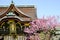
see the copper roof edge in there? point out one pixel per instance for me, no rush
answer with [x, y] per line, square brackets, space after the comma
[19, 6]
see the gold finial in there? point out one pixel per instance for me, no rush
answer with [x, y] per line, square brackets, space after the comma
[12, 2]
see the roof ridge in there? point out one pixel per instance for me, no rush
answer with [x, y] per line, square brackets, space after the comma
[18, 5]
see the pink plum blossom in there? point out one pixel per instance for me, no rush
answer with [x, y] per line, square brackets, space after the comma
[42, 24]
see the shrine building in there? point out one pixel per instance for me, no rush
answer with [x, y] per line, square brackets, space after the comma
[13, 20]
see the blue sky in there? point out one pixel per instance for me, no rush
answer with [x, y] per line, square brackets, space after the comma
[44, 7]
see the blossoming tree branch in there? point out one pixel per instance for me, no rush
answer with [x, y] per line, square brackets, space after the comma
[44, 24]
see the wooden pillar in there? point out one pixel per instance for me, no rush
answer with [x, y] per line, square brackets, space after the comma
[8, 38]
[21, 37]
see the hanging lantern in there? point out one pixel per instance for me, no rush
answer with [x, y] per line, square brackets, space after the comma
[12, 26]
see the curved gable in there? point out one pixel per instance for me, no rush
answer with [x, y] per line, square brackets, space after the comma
[13, 8]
